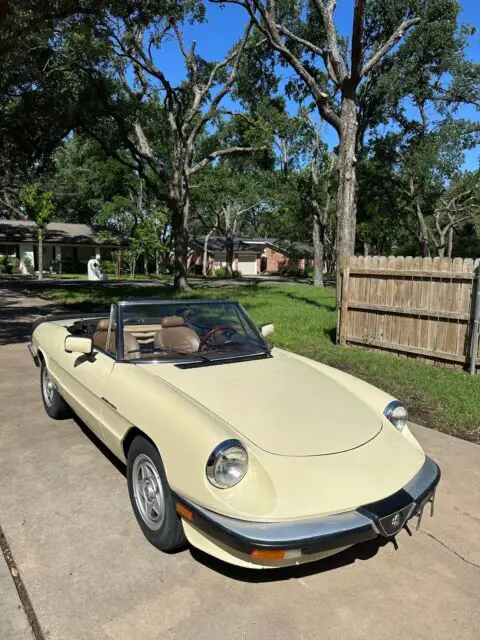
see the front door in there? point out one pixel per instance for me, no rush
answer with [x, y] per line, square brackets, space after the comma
[84, 384]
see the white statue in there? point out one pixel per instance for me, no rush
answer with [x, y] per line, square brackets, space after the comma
[94, 271]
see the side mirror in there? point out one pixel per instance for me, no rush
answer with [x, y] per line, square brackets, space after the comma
[77, 344]
[267, 329]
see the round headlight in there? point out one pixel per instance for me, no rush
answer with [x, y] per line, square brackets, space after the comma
[227, 464]
[397, 413]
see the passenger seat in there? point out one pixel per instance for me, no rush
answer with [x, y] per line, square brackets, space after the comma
[130, 343]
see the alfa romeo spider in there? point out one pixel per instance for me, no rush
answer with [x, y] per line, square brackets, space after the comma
[255, 455]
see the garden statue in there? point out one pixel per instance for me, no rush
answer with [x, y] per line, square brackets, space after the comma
[94, 271]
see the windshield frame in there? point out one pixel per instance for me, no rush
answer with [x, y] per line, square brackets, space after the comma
[119, 307]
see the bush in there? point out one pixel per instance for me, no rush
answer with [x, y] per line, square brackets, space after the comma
[221, 272]
[291, 271]
[107, 266]
[9, 264]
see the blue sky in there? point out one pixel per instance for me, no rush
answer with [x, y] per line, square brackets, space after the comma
[225, 25]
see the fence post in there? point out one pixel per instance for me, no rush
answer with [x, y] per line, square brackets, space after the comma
[475, 322]
[342, 337]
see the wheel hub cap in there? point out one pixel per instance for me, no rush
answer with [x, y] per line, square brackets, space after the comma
[148, 492]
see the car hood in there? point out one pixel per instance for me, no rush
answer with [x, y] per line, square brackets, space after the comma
[283, 405]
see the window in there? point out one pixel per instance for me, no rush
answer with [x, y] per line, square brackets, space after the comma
[8, 250]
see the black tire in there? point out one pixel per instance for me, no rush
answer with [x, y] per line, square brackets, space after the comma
[54, 404]
[163, 530]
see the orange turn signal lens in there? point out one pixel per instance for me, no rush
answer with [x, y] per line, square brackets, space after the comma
[268, 554]
[184, 512]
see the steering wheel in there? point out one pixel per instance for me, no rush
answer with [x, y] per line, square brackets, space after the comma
[220, 327]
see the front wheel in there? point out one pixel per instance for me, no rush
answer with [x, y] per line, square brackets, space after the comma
[54, 404]
[151, 497]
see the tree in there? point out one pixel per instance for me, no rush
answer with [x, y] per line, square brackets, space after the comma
[305, 38]
[39, 207]
[33, 87]
[459, 203]
[224, 197]
[149, 112]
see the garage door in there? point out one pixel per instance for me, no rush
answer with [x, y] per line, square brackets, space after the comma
[247, 264]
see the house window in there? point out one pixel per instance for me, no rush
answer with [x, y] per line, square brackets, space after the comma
[9, 250]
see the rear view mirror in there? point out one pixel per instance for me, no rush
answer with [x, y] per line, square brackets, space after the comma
[267, 329]
[77, 344]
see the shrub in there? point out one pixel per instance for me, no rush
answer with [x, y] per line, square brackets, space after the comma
[221, 272]
[9, 264]
[291, 271]
[107, 266]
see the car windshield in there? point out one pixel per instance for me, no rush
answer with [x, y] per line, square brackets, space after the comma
[193, 331]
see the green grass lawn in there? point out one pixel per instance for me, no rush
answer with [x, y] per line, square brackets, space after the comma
[305, 320]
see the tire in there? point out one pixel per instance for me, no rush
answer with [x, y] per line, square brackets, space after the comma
[151, 497]
[54, 404]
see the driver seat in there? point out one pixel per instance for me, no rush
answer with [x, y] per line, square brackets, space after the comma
[175, 335]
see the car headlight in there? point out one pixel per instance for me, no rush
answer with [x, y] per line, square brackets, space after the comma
[227, 464]
[397, 413]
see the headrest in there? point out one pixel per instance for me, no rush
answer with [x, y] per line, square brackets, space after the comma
[102, 325]
[172, 321]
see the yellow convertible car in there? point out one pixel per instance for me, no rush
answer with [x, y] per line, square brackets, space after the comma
[255, 455]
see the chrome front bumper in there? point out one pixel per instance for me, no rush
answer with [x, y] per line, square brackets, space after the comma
[324, 533]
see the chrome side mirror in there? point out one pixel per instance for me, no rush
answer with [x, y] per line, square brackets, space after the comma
[267, 329]
[77, 344]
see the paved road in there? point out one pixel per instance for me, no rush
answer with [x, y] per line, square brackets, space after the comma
[90, 574]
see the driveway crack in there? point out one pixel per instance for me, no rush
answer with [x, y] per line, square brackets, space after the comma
[21, 588]
[448, 548]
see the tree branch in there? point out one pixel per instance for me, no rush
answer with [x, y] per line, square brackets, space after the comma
[396, 36]
[357, 40]
[220, 154]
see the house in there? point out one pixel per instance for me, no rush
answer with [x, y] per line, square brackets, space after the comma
[66, 247]
[252, 256]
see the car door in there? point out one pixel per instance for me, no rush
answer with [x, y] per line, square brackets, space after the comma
[86, 379]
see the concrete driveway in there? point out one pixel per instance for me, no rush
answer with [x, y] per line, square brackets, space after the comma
[84, 571]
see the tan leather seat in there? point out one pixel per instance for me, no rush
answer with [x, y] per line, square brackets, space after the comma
[130, 343]
[175, 335]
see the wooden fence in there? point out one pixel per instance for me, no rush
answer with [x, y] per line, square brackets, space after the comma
[415, 307]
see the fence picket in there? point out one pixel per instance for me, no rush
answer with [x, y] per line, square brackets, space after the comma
[421, 310]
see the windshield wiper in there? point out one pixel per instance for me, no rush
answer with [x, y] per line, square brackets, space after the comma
[188, 354]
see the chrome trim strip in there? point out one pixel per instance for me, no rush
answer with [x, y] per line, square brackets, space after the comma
[293, 533]
[34, 354]
[424, 481]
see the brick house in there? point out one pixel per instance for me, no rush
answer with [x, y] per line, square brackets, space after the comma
[252, 256]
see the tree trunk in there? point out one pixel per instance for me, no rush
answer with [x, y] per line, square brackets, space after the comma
[346, 210]
[40, 253]
[180, 206]
[180, 244]
[366, 249]
[145, 264]
[423, 235]
[205, 253]
[317, 252]
[229, 252]
[450, 242]
[157, 262]
[118, 263]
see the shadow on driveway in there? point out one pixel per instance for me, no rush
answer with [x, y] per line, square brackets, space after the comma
[17, 314]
